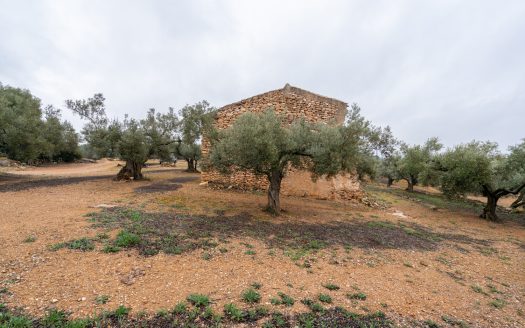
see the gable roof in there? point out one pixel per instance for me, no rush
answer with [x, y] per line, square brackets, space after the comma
[294, 90]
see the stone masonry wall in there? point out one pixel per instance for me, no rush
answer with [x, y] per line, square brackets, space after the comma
[291, 103]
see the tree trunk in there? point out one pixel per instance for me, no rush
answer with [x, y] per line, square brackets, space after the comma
[390, 182]
[410, 186]
[195, 166]
[132, 170]
[192, 165]
[489, 211]
[274, 202]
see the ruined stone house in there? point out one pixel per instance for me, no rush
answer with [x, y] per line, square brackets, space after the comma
[291, 103]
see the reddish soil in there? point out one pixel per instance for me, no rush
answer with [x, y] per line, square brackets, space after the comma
[412, 262]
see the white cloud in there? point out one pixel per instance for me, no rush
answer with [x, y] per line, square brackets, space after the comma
[453, 69]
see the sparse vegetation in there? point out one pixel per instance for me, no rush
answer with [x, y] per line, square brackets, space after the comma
[498, 303]
[331, 286]
[127, 239]
[30, 239]
[251, 296]
[102, 299]
[325, 298]
[199, 300]
[283, 299]
[82, 244]
[357, 296]
[256, 285]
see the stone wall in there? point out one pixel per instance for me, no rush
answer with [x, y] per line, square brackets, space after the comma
[291, 103]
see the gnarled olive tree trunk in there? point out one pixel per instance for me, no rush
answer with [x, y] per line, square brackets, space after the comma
[489, 211]
[132, 170]
[411, 181]
[274, 190]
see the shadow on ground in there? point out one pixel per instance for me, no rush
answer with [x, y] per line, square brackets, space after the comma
[169, 185]
[173, 233]
[14, 183]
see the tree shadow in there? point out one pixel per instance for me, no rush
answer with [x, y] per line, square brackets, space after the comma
[167, 185]
[24, 183]
[169, 231]
[14, 182]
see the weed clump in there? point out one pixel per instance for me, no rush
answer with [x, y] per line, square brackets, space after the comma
[30, 239]
[82, 244]
[126, 239]
[357, 296]
[251, 296]
[102, 299]
[325, 298]
[199, 300]
[331, 286]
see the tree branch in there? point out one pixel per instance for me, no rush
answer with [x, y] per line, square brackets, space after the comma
[520, 201]
[502, 191]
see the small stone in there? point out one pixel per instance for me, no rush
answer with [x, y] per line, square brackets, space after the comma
[54, 300]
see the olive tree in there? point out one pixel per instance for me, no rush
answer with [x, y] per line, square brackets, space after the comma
[415, 161]
[263, 144]
[133, 141]
[388, 167]
[515, 163]
[133, 149]
[160, 130]
[30, 134]
[389, 156]
[195, 119]
[101, 134]
[61, 138]
[478, 168]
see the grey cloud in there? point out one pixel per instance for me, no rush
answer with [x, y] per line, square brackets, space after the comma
[452, 69]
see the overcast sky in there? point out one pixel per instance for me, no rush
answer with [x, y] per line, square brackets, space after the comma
[452, 69]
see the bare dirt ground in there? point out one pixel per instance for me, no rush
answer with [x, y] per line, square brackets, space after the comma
[412, 262]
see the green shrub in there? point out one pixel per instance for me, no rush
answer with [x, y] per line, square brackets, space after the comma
[325, 298]
[251, 296]
[285, 299]
[127, 239]
[82, 244]
[180, 308]
[121, 311]
[54, 318]
[331, 286]
[110, 249]
[233, 312]
[199, 300]
[357, 296]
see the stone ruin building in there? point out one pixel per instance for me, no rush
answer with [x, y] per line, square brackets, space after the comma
[291, 103]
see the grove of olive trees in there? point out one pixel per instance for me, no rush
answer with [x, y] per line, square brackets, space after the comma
[259, 143]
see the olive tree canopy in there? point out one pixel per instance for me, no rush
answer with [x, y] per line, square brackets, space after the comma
[30, 134]
[265, 145]
[477, 167]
